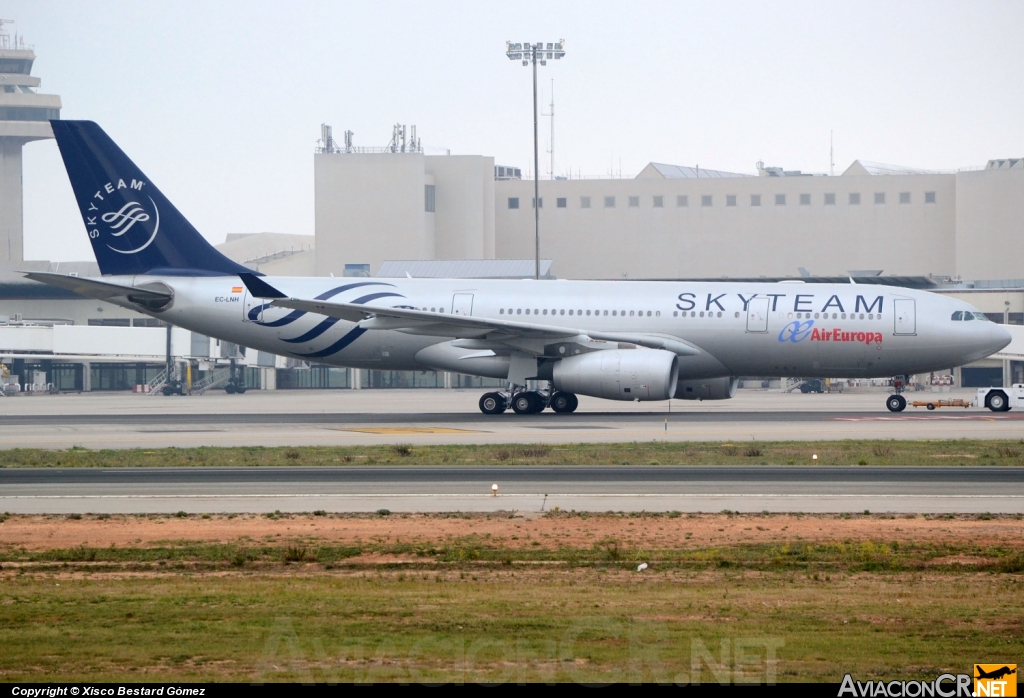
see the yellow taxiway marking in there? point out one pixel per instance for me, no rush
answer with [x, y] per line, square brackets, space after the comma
[409, 430]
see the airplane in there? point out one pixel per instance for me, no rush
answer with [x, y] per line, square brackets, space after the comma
[995, 674]
[617, 340]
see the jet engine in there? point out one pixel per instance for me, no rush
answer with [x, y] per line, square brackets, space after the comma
[619, 374]
[707, 388]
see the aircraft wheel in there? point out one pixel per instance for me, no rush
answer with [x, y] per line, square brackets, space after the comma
[241, 389]
[167, 391]
[527, 403]
[997, 401]
[564, 403]
[492, 403]
[931, 407]
[229, 389]
[896, 403]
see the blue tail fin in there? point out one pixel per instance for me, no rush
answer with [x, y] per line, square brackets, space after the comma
[133, 228]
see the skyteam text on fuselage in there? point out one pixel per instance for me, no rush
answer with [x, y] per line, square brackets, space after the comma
[619, 340]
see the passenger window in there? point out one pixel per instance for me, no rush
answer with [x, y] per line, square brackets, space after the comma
[719, 313]
[588, 312]
[570, 312]
[519, 311]
[545, 311]
[501, 312]
[631, 313]
[702, 313]
[862, 316]
[844, 316]
[675, 313]
[562, 312]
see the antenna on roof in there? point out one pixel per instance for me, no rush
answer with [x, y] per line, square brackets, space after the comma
[831, 156]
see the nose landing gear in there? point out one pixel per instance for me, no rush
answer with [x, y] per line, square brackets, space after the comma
[896, 402]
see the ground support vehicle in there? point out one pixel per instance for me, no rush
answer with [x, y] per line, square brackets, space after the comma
[932, 404]
[1001, 399]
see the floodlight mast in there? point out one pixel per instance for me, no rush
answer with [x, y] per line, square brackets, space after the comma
[532, 53]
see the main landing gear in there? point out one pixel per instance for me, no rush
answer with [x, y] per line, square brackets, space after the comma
[896, 402]
[528, 401]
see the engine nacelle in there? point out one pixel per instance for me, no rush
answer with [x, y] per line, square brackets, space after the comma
[707, 388]
[619, 374]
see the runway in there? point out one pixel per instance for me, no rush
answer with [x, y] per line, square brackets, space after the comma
[361, 417]
[524, 489]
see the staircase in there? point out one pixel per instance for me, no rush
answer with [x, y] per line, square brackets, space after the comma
[214, 380]
[153, 387]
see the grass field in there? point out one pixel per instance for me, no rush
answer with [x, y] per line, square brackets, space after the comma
[933, 452]
[507, 598]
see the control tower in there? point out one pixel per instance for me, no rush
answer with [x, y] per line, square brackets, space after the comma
[24, 117]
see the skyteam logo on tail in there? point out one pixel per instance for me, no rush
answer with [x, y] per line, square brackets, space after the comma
[128, 221]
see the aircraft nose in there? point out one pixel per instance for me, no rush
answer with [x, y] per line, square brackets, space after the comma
[998, 337]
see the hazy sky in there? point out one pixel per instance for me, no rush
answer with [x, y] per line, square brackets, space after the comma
[221, 103]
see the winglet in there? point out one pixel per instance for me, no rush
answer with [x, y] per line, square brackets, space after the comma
[258, 288]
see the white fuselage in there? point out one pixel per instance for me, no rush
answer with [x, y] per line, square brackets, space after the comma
[787, 329]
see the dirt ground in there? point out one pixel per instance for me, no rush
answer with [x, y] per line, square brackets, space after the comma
[34, 533]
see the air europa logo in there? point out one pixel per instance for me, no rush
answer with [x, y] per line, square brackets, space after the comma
[841, 336]
[799, 331]
[796, 331]
[132, 226]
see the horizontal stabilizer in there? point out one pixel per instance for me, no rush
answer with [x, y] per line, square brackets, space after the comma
[100, 290]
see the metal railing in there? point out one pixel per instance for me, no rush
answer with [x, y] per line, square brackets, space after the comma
[159, 381]
[214, 380]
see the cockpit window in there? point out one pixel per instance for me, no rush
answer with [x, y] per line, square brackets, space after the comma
[958, 315]
[980, 316]
[968, 315]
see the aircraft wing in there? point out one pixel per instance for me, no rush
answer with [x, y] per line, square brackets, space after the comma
[482, 330]
[101, 290]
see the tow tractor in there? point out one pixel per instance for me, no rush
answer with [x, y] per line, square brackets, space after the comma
[1001, 399]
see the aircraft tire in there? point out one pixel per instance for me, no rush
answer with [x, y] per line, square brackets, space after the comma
[998, 402]
[229, 389]
[527, 403]
[492, 403]
[564, 403]
[896, 403]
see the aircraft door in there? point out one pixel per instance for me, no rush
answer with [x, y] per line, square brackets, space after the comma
[906, 316]
[252, 308]
[757, 315]
[462, 304]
